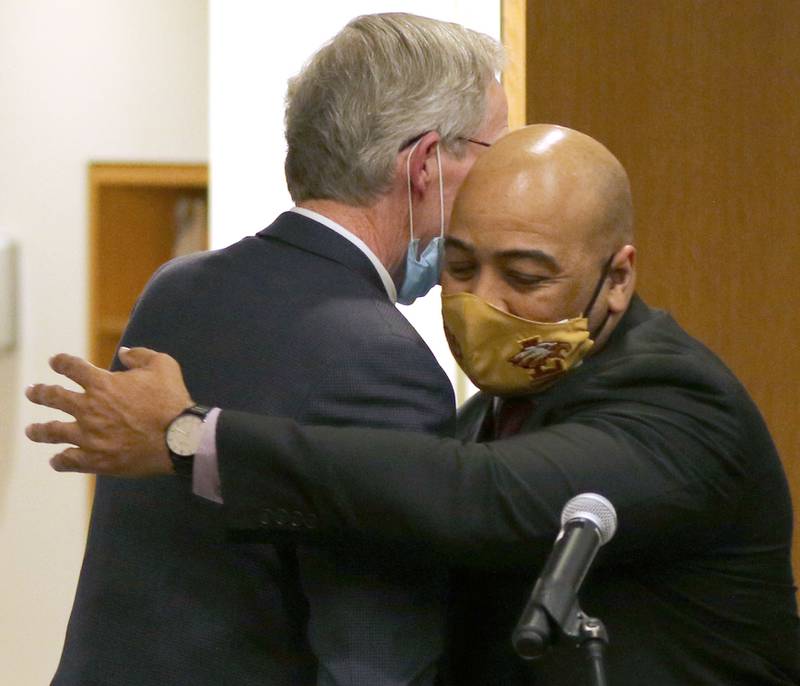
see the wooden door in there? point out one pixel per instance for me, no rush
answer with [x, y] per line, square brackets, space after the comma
[700, 100]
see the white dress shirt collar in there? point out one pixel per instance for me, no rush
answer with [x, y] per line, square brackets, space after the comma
[388, 284]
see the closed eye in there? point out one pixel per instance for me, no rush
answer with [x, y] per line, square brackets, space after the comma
[460, 270]
[525, 280]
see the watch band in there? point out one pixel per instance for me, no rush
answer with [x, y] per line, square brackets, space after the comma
[199, 410]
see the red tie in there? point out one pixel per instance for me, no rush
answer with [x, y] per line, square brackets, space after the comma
[511, 416]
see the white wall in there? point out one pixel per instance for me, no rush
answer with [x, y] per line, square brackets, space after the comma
[253, 51]
[80, 80]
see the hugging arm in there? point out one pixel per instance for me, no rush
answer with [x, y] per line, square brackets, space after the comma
[484, 503]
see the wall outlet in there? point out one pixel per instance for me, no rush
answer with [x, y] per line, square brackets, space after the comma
[8, 294]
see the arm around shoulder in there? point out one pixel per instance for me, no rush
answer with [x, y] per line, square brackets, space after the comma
[667, 465]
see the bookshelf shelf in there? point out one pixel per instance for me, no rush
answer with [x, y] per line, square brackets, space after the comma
[140, 216]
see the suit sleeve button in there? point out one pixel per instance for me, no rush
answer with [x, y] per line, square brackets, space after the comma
[311, 520]
[281, 517]
[296, 520]
[267, 517]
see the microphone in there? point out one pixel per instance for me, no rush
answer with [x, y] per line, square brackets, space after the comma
[587, 521]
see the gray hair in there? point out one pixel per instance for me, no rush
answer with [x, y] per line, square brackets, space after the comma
[382, 81]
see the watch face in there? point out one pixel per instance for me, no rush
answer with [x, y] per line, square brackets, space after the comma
[183, 435]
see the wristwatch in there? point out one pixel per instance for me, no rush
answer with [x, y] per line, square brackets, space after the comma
[183, 438]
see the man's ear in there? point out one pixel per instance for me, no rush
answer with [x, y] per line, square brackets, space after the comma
[622, 274]
[421, 160]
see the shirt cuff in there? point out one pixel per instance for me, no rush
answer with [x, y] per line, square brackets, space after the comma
[205, 472]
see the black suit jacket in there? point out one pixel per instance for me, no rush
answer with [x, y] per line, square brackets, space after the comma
[293, 322]
[696, 587]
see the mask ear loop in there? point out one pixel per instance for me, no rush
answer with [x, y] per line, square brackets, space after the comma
[408, 185]
[441, 190]
[598, 288]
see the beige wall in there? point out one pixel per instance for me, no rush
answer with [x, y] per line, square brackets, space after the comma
[79, 81]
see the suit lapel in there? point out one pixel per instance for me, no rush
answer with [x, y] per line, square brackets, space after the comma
[306, 234]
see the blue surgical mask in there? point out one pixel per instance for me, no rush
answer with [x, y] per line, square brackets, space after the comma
[422, 271]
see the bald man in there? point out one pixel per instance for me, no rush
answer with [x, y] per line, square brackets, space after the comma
[583, 388]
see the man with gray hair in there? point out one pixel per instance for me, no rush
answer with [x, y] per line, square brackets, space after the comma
[382, 125]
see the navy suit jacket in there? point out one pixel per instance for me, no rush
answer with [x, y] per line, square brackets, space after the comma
[293, 322]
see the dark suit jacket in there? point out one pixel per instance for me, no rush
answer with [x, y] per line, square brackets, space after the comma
[293, 322]
[696, 587]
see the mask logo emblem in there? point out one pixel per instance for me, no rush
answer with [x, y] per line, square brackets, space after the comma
[541, 358]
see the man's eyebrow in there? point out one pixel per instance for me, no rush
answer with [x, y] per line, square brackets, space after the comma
[457, 243]
[536, 255]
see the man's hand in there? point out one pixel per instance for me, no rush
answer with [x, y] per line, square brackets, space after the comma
[120, 419]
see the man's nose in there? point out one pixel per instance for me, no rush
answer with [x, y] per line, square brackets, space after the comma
[488, 288]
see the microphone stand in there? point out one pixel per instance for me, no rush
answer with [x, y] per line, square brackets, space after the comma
[532, 638]
[594, 636]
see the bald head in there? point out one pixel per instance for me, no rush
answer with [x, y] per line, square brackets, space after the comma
[559, 175]
[542, 228]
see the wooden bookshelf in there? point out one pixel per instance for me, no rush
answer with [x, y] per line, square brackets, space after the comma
[136, 212]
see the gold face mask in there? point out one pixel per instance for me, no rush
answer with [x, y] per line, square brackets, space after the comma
[507, 355]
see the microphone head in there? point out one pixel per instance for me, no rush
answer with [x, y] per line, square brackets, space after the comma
[596, 509]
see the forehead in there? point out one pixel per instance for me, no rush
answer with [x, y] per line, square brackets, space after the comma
[502, 209]
[497, 232]
[492, 232]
